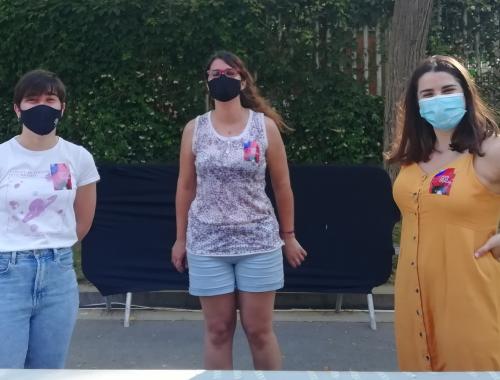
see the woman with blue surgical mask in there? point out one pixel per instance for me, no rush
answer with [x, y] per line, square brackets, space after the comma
[447, 296]
[47, 203]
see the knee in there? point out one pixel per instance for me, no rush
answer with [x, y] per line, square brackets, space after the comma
[220, 332]
[258, 334]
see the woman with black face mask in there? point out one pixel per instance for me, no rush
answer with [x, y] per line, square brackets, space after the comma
[48, 198]
[227, 232]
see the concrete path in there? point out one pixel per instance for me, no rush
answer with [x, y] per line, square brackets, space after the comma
[310, 340]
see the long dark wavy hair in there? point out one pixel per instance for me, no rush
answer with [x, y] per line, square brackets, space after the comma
[250, 96]
[415, 138]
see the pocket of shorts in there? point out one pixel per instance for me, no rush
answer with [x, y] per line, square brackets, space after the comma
[65, 259]
[4, 264]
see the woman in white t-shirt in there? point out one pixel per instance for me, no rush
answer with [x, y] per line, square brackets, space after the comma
[47, 204]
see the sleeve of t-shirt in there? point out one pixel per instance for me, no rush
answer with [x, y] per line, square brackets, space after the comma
[4, 161]
[87, 171]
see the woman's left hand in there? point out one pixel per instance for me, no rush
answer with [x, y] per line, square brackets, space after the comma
[294, 252]
[493, 245]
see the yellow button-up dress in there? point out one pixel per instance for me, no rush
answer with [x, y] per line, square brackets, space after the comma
[447, 302]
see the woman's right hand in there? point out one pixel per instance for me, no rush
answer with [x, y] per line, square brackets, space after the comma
[179, 255]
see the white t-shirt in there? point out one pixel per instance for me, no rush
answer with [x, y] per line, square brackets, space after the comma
[37, 193]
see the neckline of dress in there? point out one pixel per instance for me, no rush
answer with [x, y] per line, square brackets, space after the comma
[442, 167]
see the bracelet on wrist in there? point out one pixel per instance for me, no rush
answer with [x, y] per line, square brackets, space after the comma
[291, 232]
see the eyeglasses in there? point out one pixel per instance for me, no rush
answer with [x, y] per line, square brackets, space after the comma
[229, 72]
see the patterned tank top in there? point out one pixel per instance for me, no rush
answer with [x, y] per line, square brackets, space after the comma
[231, 213]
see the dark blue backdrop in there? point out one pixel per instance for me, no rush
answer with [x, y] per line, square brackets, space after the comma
[344, 219]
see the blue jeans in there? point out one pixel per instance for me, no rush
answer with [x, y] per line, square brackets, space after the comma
[38, 307]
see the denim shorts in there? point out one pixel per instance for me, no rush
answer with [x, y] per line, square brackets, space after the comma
[216, 275]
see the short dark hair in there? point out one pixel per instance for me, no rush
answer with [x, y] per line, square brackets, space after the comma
[39, 82]
[415, 138]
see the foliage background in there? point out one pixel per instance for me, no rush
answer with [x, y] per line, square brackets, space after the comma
[134, 69]
[470, 30]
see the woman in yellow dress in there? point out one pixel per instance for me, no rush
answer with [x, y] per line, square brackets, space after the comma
[448, 191]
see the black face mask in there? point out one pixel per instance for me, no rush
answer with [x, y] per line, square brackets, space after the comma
[224, 88]
[41, 119]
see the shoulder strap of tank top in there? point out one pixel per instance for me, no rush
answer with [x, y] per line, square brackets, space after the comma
[260, 123]
[198, 129]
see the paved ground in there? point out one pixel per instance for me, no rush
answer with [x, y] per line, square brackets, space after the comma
[173, 340]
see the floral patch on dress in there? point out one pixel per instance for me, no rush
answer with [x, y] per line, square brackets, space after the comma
[251, 151]
[442, 182]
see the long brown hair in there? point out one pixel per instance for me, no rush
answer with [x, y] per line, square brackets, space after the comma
[250, 96]
[415, 138]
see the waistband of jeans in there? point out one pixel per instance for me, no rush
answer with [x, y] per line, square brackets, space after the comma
[37, 252]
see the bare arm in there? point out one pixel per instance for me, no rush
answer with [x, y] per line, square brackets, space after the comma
[280, 179]
[84, 206]
[493, 159]
[488, 170]
[488, 167]
[186, 190]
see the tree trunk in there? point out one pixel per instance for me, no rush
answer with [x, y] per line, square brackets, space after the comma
[407, 42]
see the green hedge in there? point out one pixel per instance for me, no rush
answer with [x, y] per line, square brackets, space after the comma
[134, 70]
[469, 30]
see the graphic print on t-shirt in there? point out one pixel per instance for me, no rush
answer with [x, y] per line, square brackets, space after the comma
[35, 202]
[61, 176]
[37, 207]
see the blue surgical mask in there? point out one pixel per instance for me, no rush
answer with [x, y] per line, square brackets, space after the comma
[443, 112]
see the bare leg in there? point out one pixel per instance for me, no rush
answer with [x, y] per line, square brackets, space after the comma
[219, 313]
[256, 313]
